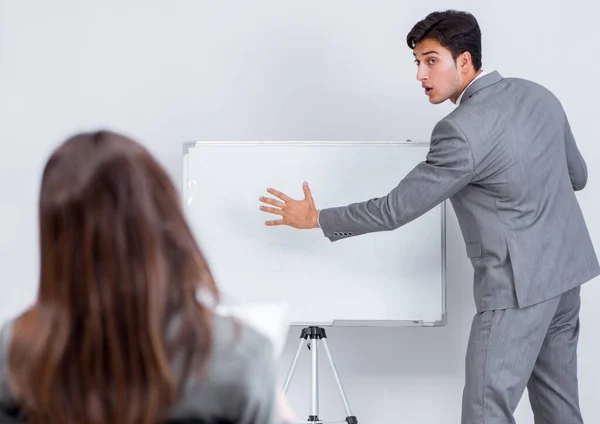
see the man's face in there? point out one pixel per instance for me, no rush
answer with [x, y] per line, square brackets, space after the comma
[437, 71]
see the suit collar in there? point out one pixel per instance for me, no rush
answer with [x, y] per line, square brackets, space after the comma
[481, 83]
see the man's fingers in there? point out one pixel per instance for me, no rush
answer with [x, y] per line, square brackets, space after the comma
[307, 193]
[273, 202]
[275, 222]
[276, 211]
[279, 194]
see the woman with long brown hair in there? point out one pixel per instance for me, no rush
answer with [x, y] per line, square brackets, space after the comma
[116, 334]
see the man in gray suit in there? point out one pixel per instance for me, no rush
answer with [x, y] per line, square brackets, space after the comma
[507, 160]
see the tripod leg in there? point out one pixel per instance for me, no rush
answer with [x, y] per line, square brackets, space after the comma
[292, 370]
[314, 382]
[351, 419]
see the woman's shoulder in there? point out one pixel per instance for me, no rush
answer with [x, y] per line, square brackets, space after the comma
[5, 331]
[239, 374]
[237, 344]
[6, 395]
[5, 336]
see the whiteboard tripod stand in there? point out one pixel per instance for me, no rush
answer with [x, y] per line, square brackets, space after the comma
[316, 335]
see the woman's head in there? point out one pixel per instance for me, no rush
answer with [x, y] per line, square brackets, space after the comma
[119, 273]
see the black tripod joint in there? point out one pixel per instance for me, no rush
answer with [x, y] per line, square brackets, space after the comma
[313, 333]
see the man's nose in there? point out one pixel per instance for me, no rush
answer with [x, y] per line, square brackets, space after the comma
[422, 74]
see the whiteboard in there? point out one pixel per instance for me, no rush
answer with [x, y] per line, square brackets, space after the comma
[391, 278]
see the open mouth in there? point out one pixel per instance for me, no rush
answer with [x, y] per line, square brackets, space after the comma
[428, 90]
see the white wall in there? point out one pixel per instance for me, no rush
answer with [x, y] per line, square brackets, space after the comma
[167, 72]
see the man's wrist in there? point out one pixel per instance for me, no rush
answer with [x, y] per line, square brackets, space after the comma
[315, 220]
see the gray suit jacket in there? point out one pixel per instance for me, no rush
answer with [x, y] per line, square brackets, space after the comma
[508, 162]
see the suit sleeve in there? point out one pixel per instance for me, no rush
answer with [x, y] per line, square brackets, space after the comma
[575, 162]
[448, 167]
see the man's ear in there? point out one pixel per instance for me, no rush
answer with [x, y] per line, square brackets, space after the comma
[465, 61]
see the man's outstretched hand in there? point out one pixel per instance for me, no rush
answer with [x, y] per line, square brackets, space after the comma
[301, 214]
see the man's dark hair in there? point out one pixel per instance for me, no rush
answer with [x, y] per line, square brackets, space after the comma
[457, 31]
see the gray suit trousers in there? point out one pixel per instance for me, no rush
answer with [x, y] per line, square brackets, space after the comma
[533, 347]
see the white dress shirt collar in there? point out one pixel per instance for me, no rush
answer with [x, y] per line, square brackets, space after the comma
[482, 73]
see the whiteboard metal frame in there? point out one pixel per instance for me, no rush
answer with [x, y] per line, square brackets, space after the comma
[339, 323]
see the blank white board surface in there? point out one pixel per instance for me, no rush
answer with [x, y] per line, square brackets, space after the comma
[379, 279]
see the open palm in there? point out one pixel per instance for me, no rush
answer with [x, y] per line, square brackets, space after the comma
[301, 214]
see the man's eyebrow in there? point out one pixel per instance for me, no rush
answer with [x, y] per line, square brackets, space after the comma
[426, 53]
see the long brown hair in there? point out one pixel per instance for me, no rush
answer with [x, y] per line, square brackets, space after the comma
[117, 297]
